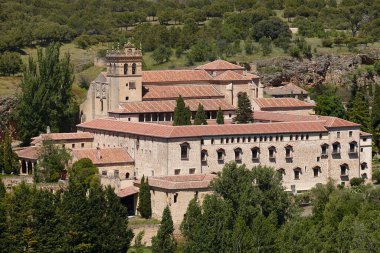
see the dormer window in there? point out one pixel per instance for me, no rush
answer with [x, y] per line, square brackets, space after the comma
[133, 68]
[255, 153]
[238, 153]
[185, 151]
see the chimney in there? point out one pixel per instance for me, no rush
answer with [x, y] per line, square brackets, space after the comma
[48, 129]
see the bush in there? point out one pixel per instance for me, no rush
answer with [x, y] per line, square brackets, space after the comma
[327, 42]
[356, 181]
[295, 52]
[84, 82]
[10, 63]
[101, 53]
[376, 176]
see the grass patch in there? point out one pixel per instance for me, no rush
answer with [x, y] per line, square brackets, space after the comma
[141, 221]
[9, 85]
[144, 250]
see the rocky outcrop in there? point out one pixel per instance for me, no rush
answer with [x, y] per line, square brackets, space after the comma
[333, 69]
[7, 105]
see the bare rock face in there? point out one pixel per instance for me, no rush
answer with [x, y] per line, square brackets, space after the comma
[7, 105]
[332, 69]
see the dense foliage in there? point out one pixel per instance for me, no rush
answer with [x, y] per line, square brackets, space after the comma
[46, 98]
[145, 205]
[9, 163]
[244, 113]
[250, 212]
[78, 219]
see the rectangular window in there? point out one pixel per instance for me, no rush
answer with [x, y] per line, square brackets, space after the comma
[350, 133]
[324, 150]
[177, 171]
[212, 141]
[184, 152]
[73, 145]
[337, 134]
[271, 153]
[288, 153]
[82, 145]
[255, 153]
[202, 141]
[297, 175]
[116, 173]
[192, 171]
[104, 173]
[220, 155]
[316, 172]
[237, 155]
[132, 85]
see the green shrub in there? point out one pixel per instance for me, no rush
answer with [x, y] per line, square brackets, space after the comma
[356, 181]
[327, 42]
[376, 176]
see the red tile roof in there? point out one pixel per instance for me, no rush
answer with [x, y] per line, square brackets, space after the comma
[230, 75]
[328, 121]
[365, 134]
[130, 190]
[62, 136]
[28, 153]
[220, 65]
[199, 181]
[271, 103]
[165, 131]
[169, 105]
[104, 155]
[155, 92]
[175, 76]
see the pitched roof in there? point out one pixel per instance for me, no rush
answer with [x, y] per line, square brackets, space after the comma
[175, 76]
[286, 89]
[220, 65]
[365, 134]
[199, 181]
[230, 75]
[62, 136]
[127, 191]
[104, 155]
[157, 92]
[272, 103]
[28, 153]
[328, 121]
[169, 105]
[165, 131]
[101, 78]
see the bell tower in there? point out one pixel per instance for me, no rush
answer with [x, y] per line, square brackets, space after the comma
[124, 74]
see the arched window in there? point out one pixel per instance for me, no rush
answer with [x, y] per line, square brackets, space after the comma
[204, 156]
[324, 149]
[288, 152]
[220, 152]
[127, 175]
[281, 171]
[344, 170]
[125, 69]
[353, 148]
[363, 166]
[272, 152]
[238, 152]
[364, 176]
[336, 148]
[255, 153]
[133, 68]
[297, 173]
[316, 171]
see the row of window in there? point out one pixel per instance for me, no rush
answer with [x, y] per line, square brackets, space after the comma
[73, 145]
[113, 68]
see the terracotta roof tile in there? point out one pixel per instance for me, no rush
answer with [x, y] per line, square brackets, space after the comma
[165, 131]
[104, 155]
[328, 121]
[286, 89]
[200, 181]
[130, 190]
[155, 92]
[220, 65]
[28, 153]
[230, 75]
[169, 105]
[175, 76]
[271, 103]
[62, 136]
[362, 133]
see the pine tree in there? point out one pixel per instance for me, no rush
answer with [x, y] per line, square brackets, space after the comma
[46, 98]
[182, 114]
[200, 116]
[164, 241]
[9, 160]
[244, 113]
[359, 112]
[145, 207]
[193, 212]
[220, 117]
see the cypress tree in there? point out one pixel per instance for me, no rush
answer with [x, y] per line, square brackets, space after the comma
[193, 213]
[145, 207]
[200, 116]
[359, 112]
[164, 241]
[244, 113]
[182, 114]
[9, 159]
[220, 117]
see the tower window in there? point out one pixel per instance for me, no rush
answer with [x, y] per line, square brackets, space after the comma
[132, 85]
[125, 69]
[126, 98]
[133, 68]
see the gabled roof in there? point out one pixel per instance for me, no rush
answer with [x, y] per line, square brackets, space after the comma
[272, 103]
[28, 153]
[101, 78]
[158, 92]
[165, 131]
[200, 181]
[169, 106]
[104, 155]
[220, 65]
[62, 137]
[230, 75]
[175, 76]
[286, 89]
